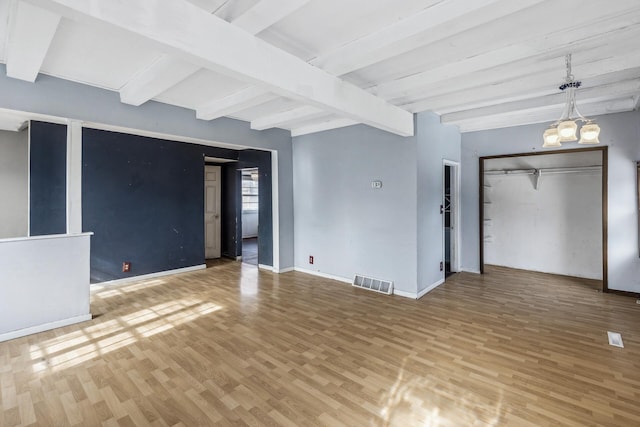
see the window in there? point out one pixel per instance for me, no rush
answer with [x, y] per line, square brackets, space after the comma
[249, 190]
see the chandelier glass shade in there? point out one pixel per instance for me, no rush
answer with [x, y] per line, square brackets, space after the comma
[565, 129]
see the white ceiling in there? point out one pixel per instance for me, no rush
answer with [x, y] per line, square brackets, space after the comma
[309, 65]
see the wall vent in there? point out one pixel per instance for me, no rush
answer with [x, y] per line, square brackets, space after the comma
[377, 285]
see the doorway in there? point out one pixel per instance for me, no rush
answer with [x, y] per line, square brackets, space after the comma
[545, 212]
[250, 179]
[212, 191]
[450, 220]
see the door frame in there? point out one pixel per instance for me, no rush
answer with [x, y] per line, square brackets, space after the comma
[604, 201]
[219, 208]
[455, 215]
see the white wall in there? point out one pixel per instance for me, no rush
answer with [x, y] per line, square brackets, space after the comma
[249, 224]
[621, 132]
[349, 227]
[14, 170]
[435, 144]
[554, 229]
[44, 283]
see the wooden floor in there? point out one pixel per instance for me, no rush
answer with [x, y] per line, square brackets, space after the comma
[232, 345]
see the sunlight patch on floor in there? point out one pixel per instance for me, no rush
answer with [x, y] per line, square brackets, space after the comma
[77, 347]
[418, 401]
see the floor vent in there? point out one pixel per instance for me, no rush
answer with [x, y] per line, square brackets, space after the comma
[377, 285]
[615, 339]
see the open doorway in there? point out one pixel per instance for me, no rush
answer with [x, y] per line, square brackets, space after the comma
[450, 205]
[250, 215]
[546, 212]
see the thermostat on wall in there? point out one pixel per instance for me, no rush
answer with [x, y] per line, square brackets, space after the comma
[376, 184]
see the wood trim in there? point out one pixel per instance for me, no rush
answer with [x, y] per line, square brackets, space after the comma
[605, 218]
[605, 201]
[481, 211]
[542, 153]
[624, 293]
[638, 199]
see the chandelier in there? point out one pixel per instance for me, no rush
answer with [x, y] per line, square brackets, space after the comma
[566, 127]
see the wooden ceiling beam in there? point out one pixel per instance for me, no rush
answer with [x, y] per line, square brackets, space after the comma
[31, 31]
[167, 71]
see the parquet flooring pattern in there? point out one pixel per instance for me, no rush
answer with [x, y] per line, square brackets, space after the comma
[232, 345]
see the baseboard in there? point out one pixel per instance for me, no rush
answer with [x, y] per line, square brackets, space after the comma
[470, 270]
[404, 294]
[624, 293]
[284, 270]
[265, 267]
[429, 288]
[44, 327]
[150, 276]
[420, 294]
[324, 275]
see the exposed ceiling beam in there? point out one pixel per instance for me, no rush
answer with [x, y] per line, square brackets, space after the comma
[538, 41]
[583, 96]
[31, 31]
[186, 30]
[168, 71]
[321, 126]
[284, 118]
[231, 104]
[589, 59]
[162, 74]
[519, 118]
[489, 93]
[429, 25]
[266, 13]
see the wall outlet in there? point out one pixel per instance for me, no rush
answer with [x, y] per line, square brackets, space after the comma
[126, 267]
[441, 265]
[310, 259]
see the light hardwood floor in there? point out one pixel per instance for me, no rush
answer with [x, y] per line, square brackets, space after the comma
[234, 346]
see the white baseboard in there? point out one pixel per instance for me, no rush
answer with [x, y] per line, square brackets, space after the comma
[265, 267]
[285, 270]
[429, 288]
[150, 276]
[470, 270]
[325, 275]
[44, 327]
[420, 294]
[404, 294]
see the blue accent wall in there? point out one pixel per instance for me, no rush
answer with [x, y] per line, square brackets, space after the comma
[144, 200]
[65, 99]
[48, 181]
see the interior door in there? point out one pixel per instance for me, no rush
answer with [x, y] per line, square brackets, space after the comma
[212, 219]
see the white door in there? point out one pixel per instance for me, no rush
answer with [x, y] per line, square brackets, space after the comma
[212, 211]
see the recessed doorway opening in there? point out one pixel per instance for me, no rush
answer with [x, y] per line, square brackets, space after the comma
[250, 215]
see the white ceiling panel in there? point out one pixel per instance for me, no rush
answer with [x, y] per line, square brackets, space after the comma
[201, 87]
[324, 25]
[277, 105]
[96, 54]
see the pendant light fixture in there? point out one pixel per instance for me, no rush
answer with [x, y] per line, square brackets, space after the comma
[566, 127]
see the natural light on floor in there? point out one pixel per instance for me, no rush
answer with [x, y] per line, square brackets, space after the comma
[418, 401]
[80, 346]
[107, 291]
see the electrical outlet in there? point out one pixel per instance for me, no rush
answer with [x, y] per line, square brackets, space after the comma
[310, 259]
[126, 267]
[441, 265]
